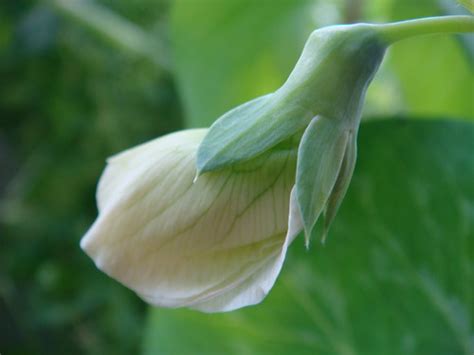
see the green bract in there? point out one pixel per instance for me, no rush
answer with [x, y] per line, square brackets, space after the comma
[319, 105]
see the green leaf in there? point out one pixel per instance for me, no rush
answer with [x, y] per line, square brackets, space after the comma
[395, 278]
[229, 52]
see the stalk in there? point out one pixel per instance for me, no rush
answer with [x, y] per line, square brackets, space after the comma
[396, 31]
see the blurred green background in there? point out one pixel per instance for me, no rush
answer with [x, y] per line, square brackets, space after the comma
[81, 80]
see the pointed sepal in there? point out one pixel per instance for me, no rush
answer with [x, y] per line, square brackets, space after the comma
[248, 131]
[342, 183]
[320, 156]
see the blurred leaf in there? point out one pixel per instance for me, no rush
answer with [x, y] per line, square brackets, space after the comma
[395, 278]
[423, 77]
[435, 73]
[67, 101]
[435, 77]
[466, 40]
[116, 29]
[228, 52]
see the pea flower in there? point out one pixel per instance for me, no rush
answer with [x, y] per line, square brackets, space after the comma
[264, 172]
[203, 218]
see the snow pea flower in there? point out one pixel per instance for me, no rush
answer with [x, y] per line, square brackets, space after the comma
[203, 218]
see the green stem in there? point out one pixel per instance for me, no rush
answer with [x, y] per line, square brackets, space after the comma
[396, 31]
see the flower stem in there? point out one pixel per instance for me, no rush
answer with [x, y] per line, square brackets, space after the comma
[396, 31]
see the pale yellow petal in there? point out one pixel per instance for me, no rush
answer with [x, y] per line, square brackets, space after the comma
[254, 289]
[214, 245]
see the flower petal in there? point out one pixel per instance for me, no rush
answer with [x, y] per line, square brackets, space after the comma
[215, 245]
[254, 289]
[126, 167]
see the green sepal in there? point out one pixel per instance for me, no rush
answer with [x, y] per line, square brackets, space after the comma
[249, 130]
[320, 157]
[342, 183]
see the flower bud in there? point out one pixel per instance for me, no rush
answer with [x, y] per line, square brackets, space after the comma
[266, 170]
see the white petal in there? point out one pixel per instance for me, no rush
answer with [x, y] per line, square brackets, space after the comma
[124, 168]
[254, 289]
[215, 245]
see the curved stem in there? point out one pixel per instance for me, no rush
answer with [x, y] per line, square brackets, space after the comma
[396, 31]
